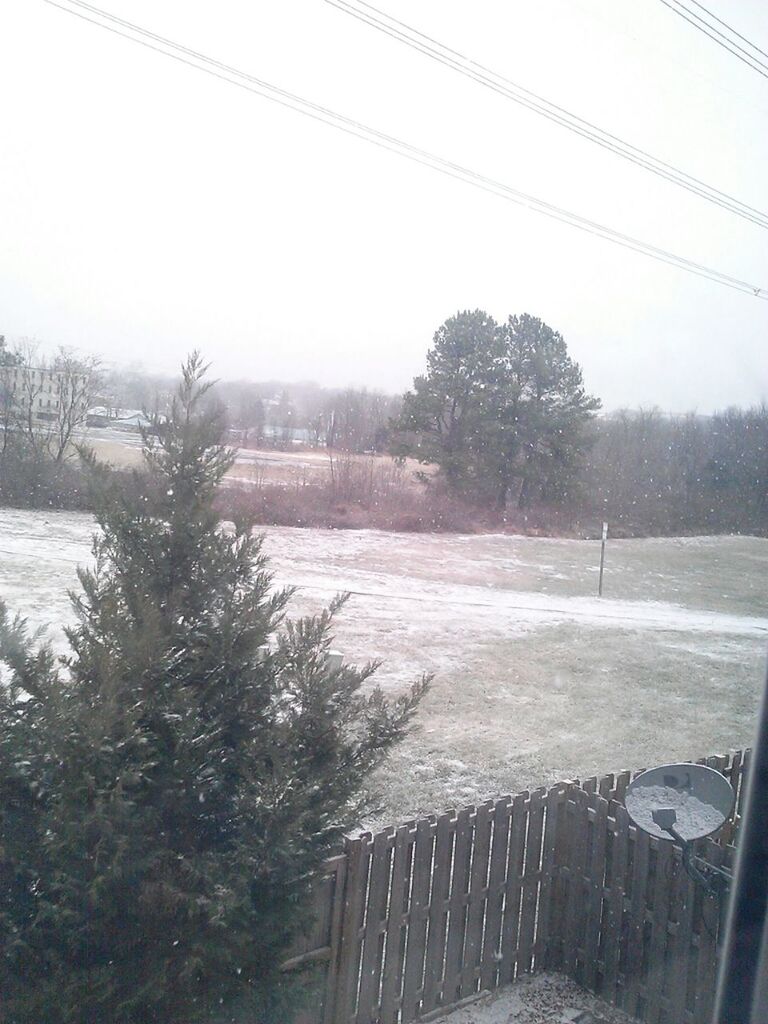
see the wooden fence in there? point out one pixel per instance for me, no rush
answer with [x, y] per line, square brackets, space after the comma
[417, 919]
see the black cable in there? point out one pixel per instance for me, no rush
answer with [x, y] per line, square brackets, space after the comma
[720, 21]
[727, 44]
[733, 46]
[483, 75]
[384, 141]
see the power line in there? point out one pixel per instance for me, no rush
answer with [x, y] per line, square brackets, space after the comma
[431, 47]
[725, 25]
[251, 83]
[719, 37]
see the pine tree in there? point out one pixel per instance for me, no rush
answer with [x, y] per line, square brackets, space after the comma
[501, 410]
[169, 788]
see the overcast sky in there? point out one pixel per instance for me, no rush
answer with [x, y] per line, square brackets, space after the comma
[147, 208]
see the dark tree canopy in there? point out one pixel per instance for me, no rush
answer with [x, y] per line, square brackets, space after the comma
[167, 790]
[501, 410]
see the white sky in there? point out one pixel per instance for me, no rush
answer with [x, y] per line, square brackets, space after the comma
[146, 208]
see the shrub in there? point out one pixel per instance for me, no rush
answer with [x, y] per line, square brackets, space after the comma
[33, 480]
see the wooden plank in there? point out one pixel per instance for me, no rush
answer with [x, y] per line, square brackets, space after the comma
[617, 888]
[558, 886]
[623, 779]
[633, 976]
[417, 921]
[733, 774]
[473, 942]
[339, 866]
[349, 958]
[457, 906]
[544, 923]
[606, 787]
[575, 902]
[495, 898]
[394, 951]
[745, 763]
[685, 893]
[596, 882]
[655, 981]
[510, 925]
[531, 879]
[373, 936]
[438, 913]
[706, 968]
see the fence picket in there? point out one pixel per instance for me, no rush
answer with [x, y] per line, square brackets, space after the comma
[373, 936]
[394, 950]
[598, 808]
[511, 919]
[707, 959]
[623, 779]
[613, 932]
[531, 879]
[354, 908]
[544, 931]
[573, 931]
[633, 975]
[685, 893]
[655, 982]
[495, 897]
[458, 905]
[417, 921]
[473, 942]
[438, 913]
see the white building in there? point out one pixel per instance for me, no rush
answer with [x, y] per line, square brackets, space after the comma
[43, 394]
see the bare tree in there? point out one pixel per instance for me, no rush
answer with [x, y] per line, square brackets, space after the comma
[75, 382]
[44, 402]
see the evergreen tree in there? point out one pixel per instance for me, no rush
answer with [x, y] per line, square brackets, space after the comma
[544, 408]
[169, 788]
[447, 406]
[502, 408]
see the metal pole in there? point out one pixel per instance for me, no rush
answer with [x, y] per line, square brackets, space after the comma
[602, 560]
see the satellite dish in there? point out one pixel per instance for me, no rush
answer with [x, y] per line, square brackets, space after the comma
[680, 801]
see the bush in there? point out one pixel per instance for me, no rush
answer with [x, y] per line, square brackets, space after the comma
[168, 791]
[32, 480]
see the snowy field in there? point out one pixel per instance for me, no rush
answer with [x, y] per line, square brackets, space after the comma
[536, 679]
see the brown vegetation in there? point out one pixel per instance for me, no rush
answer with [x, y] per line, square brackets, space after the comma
[371, 492]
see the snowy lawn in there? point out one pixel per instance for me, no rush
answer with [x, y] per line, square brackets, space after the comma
[536, 678]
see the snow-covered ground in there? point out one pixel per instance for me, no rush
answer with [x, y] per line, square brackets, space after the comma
[536, 678]
[542, 999]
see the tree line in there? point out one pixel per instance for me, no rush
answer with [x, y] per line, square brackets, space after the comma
[649, 473]
[501, 410]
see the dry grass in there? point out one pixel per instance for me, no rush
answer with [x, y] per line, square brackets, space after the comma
[120, 456]
[341, 490]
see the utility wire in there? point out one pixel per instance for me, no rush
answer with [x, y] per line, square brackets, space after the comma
[243, 80]
[719, 37]
[733, 31]
[431, 47]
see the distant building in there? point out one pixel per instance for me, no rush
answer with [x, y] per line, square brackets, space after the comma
[41, 393]
[121, 419]
[132, 421]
